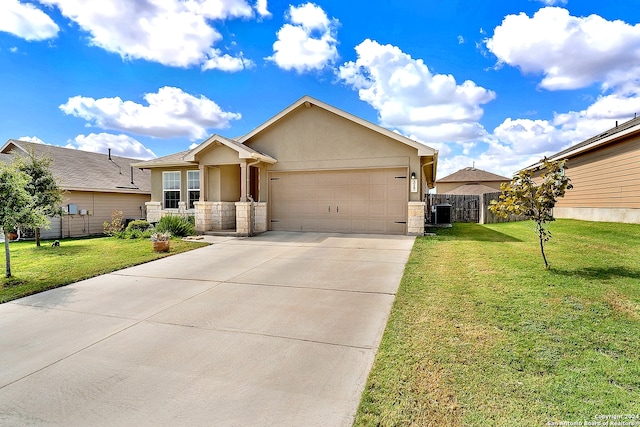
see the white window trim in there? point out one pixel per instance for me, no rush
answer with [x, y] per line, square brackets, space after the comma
[189, 190]
[164, 190]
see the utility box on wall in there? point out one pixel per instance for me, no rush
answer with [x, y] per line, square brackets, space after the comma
[73, 209]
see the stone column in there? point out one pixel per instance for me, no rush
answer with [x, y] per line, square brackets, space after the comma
[154, 211]
[415, 223]
[260, 217]
[203, 216]
[182, 208]
[244, 213]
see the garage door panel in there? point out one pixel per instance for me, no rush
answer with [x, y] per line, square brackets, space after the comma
[351, 201]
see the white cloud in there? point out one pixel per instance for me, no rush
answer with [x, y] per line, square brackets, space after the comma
[430, 107]
[26, 21]
[261, 8]
[225, 62]
[571, 52]
[308, 42]
[34, 139]
[171, 32]
[170, 113]
[121, 145]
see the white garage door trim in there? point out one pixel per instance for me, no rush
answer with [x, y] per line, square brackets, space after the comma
[344, 200]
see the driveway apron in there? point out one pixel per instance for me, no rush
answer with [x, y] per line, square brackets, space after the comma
[279, 329]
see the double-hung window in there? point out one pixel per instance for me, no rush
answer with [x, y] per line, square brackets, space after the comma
[193, 187]
[171, 189]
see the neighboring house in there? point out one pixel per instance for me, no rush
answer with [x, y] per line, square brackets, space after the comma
[312, 167]
[94, 186]
[605, 173]
[470, 181]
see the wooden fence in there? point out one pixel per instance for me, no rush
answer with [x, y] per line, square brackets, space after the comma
[464, 208]
[468, 208]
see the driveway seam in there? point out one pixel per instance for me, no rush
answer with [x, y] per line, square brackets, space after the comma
[262, 334]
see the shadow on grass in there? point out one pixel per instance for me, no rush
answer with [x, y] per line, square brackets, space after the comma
[599, 272]
[472, 232]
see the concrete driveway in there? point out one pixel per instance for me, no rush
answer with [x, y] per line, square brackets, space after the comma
[279, 329]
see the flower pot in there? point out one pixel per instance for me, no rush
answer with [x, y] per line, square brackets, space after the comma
[161, 246]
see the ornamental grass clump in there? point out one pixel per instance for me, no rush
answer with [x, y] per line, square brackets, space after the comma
[179, 226]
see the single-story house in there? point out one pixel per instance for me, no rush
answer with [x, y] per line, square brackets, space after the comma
[311, 167]
[605, 173]
[94, 186]
[470, 181]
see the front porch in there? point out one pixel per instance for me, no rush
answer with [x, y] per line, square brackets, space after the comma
[222, 182]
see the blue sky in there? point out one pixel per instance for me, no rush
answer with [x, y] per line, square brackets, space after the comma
[496, 83]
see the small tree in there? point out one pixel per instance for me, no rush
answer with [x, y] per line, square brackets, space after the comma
[523, 196]
[16, 205]
[43, 187]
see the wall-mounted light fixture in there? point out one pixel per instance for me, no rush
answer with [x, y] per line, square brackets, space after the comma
[414, 183]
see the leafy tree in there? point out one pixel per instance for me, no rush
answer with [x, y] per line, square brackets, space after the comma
[524, 196]
[17, 207]
[43, 188]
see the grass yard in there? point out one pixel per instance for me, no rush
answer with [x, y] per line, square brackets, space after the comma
[480, 334]
[38, 269]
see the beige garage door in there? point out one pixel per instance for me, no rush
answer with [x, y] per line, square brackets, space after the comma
[344, 201]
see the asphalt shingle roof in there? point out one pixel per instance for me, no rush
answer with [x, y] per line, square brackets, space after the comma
[472, 175]
[87, 171]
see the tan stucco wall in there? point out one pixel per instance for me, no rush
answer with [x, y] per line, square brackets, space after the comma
[447, 187]
[230, 182]
[218, 155]
[99, 207]
[605, 178]
[315, 139]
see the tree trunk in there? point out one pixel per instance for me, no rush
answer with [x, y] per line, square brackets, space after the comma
[7, 255]
[37, 236]
[546, 264]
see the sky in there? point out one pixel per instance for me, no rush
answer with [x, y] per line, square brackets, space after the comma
[488, 83]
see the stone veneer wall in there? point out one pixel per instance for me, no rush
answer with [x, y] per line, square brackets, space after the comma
[415, 224]
[244, 218]
[212, 216]
[260, 217]
[154, 211]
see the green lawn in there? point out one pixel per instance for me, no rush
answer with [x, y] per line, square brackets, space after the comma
[480, 334]
[38, 269]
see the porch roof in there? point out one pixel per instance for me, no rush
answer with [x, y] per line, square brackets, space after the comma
[244, 152]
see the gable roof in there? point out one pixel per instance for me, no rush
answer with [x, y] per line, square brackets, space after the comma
[86, 171]
[471, 174]
[612, 135]
[244, 151]
[188, 158]
[306, 100]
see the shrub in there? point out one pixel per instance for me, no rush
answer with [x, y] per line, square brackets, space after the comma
[115, 226]
[138, 224]
[178, 226]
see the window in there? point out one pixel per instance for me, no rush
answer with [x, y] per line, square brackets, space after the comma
[193, 187]
[171, 189]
